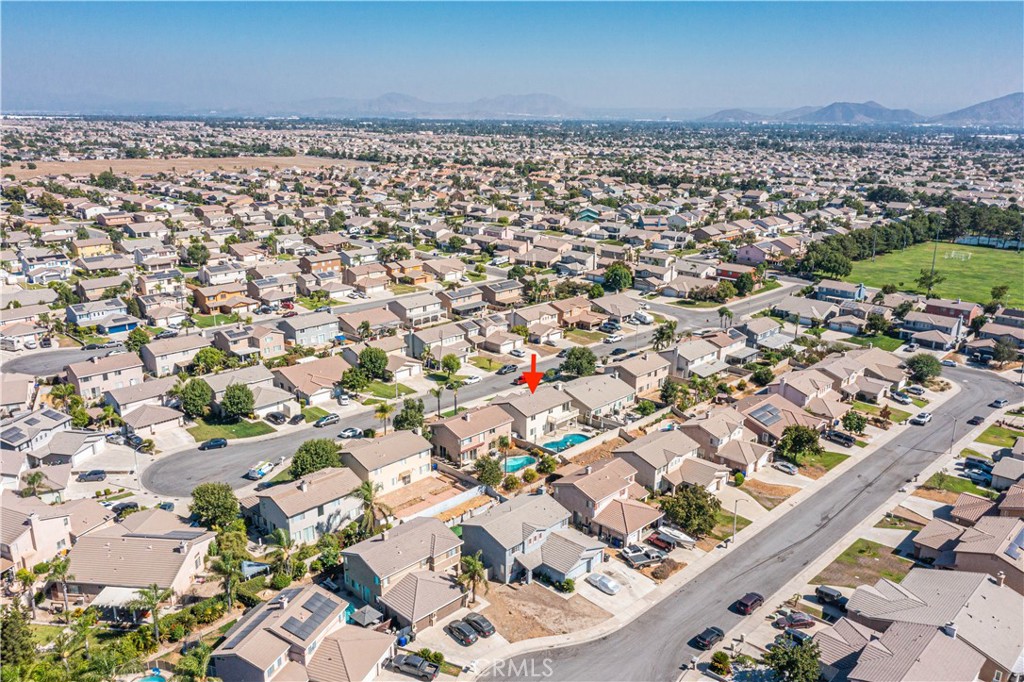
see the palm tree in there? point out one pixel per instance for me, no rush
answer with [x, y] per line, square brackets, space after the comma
[60, 572]
[364, 330]
[61, 393]
[28, 582]
[724, 314]
[285, 545]
[193, 666]
[504, 445]
[110, 665]
[454, 388]
[427, 357]
[65, 646]
[33, 483]
[230, 571]
[437, 393]
[109, 417]
[372, 506]
[83, 624]
[474, 573]
[149, 599]
[382, 413]
[665, 335]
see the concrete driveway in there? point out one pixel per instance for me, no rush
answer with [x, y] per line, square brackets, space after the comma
[435, 638]
[634, 586]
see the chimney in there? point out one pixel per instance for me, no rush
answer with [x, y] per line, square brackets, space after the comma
[646, 355]
[303, 485]
[182, 547]
[588, 469]
[283, 601]
[468, 416]
[1001, 578]
[384, 535]
[949, 629]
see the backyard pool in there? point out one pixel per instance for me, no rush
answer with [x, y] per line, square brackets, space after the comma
[514, 464]
[566, 442]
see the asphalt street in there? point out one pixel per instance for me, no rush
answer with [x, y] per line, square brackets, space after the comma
[49, 362]
[656, 644]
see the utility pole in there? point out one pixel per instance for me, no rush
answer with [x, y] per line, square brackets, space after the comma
[735, 515]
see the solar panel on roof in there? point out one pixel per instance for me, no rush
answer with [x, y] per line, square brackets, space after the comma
[318, 602]
[31, 421]
[767, 414]
[52, 414]
[1016, 547]
[12, 434]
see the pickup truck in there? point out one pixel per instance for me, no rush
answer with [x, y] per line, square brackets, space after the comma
[638, 557]
[415, 666]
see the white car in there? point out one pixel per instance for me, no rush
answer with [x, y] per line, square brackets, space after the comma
[921, 419]
[471, 380]
[343, 401]
[353, 295]
[614, 338]
[517, 353]
[605, 583]
[949, 363]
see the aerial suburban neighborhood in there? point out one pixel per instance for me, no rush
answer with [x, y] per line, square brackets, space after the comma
[393, 395]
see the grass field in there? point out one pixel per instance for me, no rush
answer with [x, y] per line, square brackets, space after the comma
[204, 321]
[999, 436]
[955, 484]
[895, 415]
[816, 466]
[968, 279]
[584, 337]
[311, 414]
[486, 364]
[379, 389]
[877, 341]
[240, 429]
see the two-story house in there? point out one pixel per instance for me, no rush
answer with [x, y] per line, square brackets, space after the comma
[93, 377]
[250, 341]
[312, 381]
[967, 310]
[316, 504]
[666, 460]
[933, 331]
[162, 357]
[722, 438]
[32, 430]
[319, 263]
[538, 414]
[310, 329]
[643, 373]
[503, 294]
[694, 356]
[599, 397]
[417, 310]
[462, 302]
[836, 292]
[465, 437]
[368, 278]
[390, 462]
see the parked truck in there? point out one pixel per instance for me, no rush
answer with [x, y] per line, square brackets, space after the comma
[416, 666]
[638, 556]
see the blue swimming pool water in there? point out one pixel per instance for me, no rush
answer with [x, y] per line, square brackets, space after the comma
[349, 610]
[153, 678]
[566, 442]
[518, 462]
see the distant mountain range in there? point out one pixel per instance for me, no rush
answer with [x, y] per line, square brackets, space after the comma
[1004, 111]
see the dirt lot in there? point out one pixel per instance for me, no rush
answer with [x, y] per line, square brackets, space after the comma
[769, 495]
[527, 611]
[863, 563]
[141, 166]
[603, 451]
[944, 496]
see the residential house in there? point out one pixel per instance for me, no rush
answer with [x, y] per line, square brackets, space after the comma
[966, 310]
[252, 341]
[811, 390]
[219, 274]
[694, 356]
[643, 373]
[34, 532]
[162, 357]
[768, 416]
[722, 438]
[312, 381]
[390, 462]
[600, 399]
[836, 292]
[91, 378]
[381, 321]
[666, 460]
[310, 329]
[32, 430]
[129, 398]
[933, 331]
[502, 294]
[417, 310]
[320, 263]
[224, 298]
[463, 438]
[805, 311]
[369, 278]
[305, 509]
[534, 415]
[462, 302]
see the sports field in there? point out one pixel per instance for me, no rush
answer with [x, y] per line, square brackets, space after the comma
[971, 278]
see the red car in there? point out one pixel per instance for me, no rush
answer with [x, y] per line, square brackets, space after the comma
[520, 380]
[656, 540]
[290, 313]
[795, 620]
[287, 305]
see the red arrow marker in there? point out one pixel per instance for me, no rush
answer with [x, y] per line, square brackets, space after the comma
[533, 377]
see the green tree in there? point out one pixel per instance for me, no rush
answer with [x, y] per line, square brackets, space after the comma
[61, 393]
[28, 584]
[313, 455]
[438, 392]
[762, 376]
[547, 464]
[665, 335]
[744, 284]
[923, 367]
[137, 338]
[877, 324]
[1004, 351]
[410, 416]
[473, 574]
[451, 364]
[373, 508]
[150, 598]
[693, 509]
[646, 408]
[112, 663]
[354, 379]
[928, 280]
[999, 293]
[214, 504]
[797, 442]
[208, 359]
[670, 392]
[196, 397]
[282, 556]
[364, 330]
[60, 573]
[596, 291]
[230, 571]
[795, 664]
[79, 418]
[580, 361]
[854, 422]
[488, 471]
[193, 666]
[374, 362]
[382, 412]
[238, 401]
[618, 277]
[197, 254]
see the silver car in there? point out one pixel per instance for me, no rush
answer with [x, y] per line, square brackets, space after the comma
[605, 583]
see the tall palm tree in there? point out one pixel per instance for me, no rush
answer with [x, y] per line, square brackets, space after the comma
[109, 417]
[82, 624]
[364, 330]
[454, 388]
[28, 582]
[504, 445]
[149, 599]
[474, 573]
[110, 665]
[60, 572]
[372, 506]
[382, 413]
[285, 545]
[61, 393]
[724, 314]
[665, 335]
[230, 571]
[427, 357]
[65, 646]
[193, 666]
[437, 393]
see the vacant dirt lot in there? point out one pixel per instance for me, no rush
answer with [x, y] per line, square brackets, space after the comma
[944, 496]
[141, 166]
[602, 451]
[768, 495]
[863, 563]
[526, 611]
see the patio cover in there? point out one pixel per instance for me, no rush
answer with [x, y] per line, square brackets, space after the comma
[115, 597]
[366, 616]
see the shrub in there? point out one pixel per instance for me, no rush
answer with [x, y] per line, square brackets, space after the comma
[568, 586]
[299, 570]
[432, 656]
[738, 479]
[39, 597]
[369, 433]
[41, 568]
[529, 476]
[176, 632]
[316, 566]
[280, 581]
[666, 568]
[511, 482]
[248, 591]
[720, 663]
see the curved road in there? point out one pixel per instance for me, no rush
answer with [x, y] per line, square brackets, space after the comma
[658, 642]
[49, 362]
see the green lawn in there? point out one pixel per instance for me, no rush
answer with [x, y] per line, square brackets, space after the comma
[969, 279]
[826, 460]
[426, 248]
[240, 429]
[723, 525]
[476, 276]
[311, 414]
[399, 289]
[312, 303]
[968, 452]
[283, 476]
[769, 285]
[999, 436]
[895, 523]
[875, 410]
[442, 378]
[919, 402]
[878, 341]
[204, 321]
[584, 337]
[379, 389]
[687, 303]
[484, 363]
[955, 484]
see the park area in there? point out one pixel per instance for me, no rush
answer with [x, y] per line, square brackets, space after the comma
[970, 271]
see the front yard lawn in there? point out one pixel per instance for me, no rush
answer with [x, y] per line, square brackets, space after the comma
[816, 466]
[476, 276]
[379, 389]
[312, 303]
[876, 410]
[442, 378]
[485, 363]
[919, 402]
[896, 523]
[864, 563]
[956, 485]
[886, 343]
[311, 414]
[204, 430]
[584, 337]
[205, 321]
[999, 436]
[722, 530]
[768, 495]
[399, 289]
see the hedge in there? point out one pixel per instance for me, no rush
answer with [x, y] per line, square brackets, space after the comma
[248, 591]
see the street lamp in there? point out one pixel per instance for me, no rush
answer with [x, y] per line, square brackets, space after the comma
[952, 436]
[735, 515]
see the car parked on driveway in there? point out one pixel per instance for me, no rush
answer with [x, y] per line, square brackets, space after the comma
[795, 620]
[786, 468]
[462, 632]
[517, 353]
[415, 666]
[483, 627]
[901, 398]
[276, 418]
[92, 476]
[214, 444]
[297, 419]
[844, 439]
[921, 418]
[709, 637]
[122, 508]
[605, 583]
[827, 595]
[166, 334]
[915, 390]
[639, 556]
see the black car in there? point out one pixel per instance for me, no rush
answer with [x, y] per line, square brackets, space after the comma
[749, 603]
[166, 334]
[709, 638]
[276, 418]
[827, 595]
[563, 353]
[619, 351]
[122, 508]
[166, 506]
[482, 626]
[844, 439]
[462, 632]
[46, 342]
[214, 443]
[297, 419]
[134, 441]
[507, 369]
[94, 475]
[976, 420]
[92, 346]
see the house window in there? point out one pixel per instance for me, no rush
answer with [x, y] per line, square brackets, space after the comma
[997, 676]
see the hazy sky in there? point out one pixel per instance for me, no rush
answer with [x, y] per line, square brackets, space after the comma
[930, 57]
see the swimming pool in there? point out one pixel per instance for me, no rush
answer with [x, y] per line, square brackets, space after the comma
[349, 610]
[566, 442]
[153, 678]
[514, 464]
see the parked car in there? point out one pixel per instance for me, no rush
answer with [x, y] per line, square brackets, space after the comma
[415, 666]
[605, 583]
[92, 346]
[827, 595]
[921, 418]
[639, 556]
[791, 638]
[844, 439]
[949, 363]
[550, 342]
[519, 380]
[323, 309]
[562, 353]
[483, 627]
[166, 334]
[619, 351]
[1000, 403]
[709, 637]
[614, 338]
[297, 419]
[517, 353]
[351, 432]
[978, 477]
[290, 313]
[92, 476]
[46, 342]
[326, 420]
[795, 621]
[287, 305]
[462, 632]
[910, 347]
[166, 506]
[276, 418]
[749, 603]
[508, 369]
[786, 468]
[976, 420]
[471, 380]
[901, 398]
[915, 390]
[122, 508]
[343, 400]
[214, 444]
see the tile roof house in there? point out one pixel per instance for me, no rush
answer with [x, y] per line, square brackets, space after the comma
[311, 381]
[644, 373]
[769, 415]
[600, 397]
[33, 430]
[163, 357]
[306, 509]
[723, 438]
[463, 438]
[538, 414]
[662, 460]
[94, 377]
[32, 531]
[993, 545]
[391, 462]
